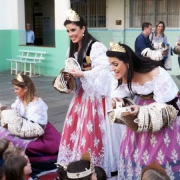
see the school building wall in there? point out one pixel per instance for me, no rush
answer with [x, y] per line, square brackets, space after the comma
[12, 33]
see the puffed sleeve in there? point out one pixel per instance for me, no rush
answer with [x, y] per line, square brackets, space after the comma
[165, 88]
[98, 79]
[37, 112]
[16, 104]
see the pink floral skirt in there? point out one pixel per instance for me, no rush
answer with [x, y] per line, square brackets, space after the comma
[84, 130]
[140, 149]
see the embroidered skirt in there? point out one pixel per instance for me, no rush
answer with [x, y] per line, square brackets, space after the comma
[140, 149]
[86, 129]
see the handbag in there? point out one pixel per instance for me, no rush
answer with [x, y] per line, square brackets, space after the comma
[59, 82]
[19, 126]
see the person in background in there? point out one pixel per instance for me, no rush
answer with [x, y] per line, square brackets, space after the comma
[30, 37]
[143, 46]
[178, 43]
[157, 38]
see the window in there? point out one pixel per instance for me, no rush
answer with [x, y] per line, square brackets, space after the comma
[153, 11]
[93, 12]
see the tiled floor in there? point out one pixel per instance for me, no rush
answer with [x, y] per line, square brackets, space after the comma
[57, 103]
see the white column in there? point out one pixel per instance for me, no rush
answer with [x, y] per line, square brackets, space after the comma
[5, 14]
[61, 7]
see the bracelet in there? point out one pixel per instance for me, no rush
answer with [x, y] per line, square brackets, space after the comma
[140, 120]
[146, 119]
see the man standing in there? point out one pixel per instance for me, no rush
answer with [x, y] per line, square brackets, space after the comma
[143, 47]
[29, 35]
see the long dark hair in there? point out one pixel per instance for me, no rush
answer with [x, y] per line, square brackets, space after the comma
[135, 63]
[85, 40]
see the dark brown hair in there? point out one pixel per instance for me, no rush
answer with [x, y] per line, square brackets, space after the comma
[13, 168]
[85, 40]
[4, 143]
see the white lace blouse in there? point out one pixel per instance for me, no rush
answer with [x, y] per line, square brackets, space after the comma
[162, 86]
[35, 111]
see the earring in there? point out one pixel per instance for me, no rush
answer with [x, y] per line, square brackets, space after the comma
[128, 66]
[83, 34]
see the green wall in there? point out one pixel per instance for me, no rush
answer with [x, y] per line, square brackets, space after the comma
[54, 59]
[5, 49]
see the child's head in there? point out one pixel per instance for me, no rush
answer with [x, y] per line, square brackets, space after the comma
[154, 172]
[81, 170]
[100, 173]
[16, 167]
[14, 151]
[4, 144]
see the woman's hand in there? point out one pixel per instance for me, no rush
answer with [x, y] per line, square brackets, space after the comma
[76, 73]
[134, 109]
[114, 100]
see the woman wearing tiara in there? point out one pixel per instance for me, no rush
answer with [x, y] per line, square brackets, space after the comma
[33, 109]
[148, 82]
[86, 126]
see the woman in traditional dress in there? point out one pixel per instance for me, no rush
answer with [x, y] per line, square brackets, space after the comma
[42, 151]
[140, 78]
[86, 126]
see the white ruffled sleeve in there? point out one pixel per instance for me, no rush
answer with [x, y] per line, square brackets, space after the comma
[119, 91]
[165, 88]
[98, 79]
[37, 112]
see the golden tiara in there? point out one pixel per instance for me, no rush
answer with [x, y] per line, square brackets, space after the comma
[86, 171]
[72, 15]
[116, 47]
[19, 78]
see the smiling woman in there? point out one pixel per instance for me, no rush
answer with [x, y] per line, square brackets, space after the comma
[147, 82]
[86, 126]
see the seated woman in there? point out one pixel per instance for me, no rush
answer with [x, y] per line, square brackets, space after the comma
[33, 108]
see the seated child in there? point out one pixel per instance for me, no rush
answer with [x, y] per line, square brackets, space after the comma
[16, 167]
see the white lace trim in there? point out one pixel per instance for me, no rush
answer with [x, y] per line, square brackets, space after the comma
[162, 86]
[98, 80]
